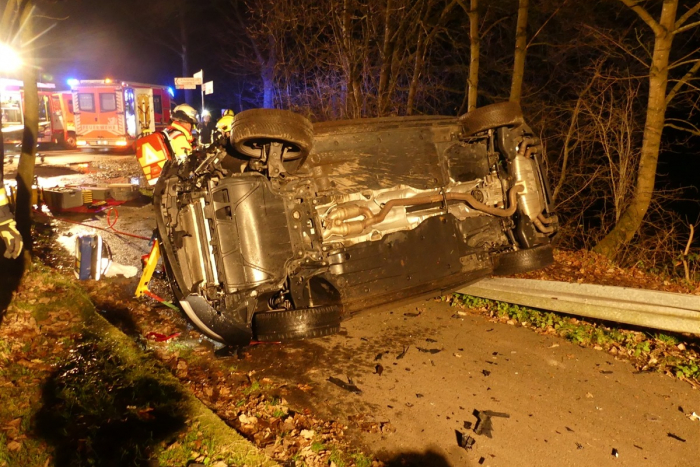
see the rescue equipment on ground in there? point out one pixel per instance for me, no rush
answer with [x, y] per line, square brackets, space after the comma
[152, 152]
[92, 257]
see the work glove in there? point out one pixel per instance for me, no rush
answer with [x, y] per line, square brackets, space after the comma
[12, 238]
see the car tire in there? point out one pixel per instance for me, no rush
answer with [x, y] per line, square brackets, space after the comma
[273, 326]
[492, 116]
[254, 127]
[517, 262]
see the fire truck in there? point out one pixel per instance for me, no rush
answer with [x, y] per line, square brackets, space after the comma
[12, 111]
[113, 114]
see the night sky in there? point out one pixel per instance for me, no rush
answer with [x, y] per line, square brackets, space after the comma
[124, 40]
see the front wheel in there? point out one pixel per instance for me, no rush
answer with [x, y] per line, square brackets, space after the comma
[491, 117]
[273, 326]
[253, 129]
[517, 262]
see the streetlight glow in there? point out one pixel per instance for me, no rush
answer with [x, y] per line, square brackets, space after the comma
[9, 60]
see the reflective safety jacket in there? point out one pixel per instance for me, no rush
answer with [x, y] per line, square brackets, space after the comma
[180, 140]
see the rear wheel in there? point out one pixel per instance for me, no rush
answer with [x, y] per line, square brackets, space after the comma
[492, 116]
[516, 262]
[296, 324]
[69, 141]
[253, 129]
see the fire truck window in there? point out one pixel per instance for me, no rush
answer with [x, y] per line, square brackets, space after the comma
[43, 109]
[70, 106]
[108, 102]
[86, 102]
[157, 105]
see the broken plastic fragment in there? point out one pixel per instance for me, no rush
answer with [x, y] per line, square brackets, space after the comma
[464, 441]
[671, 435]
[378, 369]
[430, 351]
[615, 453]
[403, 354]
[158, 337]
[484, 424]
[349, 386]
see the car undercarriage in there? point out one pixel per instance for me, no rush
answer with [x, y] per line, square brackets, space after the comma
[285, 228]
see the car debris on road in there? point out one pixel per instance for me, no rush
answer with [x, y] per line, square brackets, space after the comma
[349, 386]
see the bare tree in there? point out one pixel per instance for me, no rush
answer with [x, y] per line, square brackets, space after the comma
[664, 30]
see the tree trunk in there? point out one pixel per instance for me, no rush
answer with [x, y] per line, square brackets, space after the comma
[473, 56]
[417, 68]
[268, 74]
[632, 217]
[516, 87]
[25, 169]
[385, 68]
[184, 55]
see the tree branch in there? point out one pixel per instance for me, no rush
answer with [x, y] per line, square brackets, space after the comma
[679, 84]
[687, 27]
[687, 130]
[643, 14]
[686, 16]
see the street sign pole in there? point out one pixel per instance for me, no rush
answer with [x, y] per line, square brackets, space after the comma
[200, 75]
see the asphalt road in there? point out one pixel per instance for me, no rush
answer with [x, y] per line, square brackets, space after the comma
[558, 404]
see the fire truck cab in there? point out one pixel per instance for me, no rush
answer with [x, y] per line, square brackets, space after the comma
[113, 114]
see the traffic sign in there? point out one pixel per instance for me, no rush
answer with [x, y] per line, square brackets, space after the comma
[209, 87]
[181, 86]
[188, 81]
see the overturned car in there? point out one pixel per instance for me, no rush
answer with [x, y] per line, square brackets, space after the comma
[288, 227]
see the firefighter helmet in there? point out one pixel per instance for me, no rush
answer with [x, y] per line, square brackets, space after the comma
[224, 124]
[185, 113]
[227, 113]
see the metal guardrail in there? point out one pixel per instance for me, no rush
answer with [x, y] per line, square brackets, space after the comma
[648, 308]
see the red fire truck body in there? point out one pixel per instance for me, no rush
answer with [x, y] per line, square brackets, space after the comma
[114, 114]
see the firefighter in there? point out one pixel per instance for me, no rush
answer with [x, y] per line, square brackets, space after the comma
[224, 123]
[8, 227]
[206, 129]
[184, 118]
[223, 128]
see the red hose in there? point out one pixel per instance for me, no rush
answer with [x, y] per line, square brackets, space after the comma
[110, 225]
[116, 218]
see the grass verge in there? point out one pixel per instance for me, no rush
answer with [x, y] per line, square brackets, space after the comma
[74, 390]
